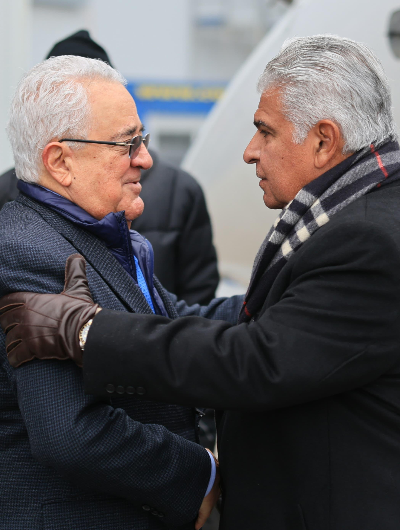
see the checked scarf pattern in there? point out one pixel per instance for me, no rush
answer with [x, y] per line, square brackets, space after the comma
[313, 207]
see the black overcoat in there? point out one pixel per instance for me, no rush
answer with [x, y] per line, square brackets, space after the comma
[309, 436]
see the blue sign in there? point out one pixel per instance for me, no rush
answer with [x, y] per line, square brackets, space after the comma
[175, 98]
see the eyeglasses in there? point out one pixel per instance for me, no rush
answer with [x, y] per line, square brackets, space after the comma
[134, 144]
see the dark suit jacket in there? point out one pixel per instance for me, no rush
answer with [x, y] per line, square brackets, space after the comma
[73, 461]
[310, 436]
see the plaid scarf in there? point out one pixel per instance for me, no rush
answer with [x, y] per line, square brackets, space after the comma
[313, 207]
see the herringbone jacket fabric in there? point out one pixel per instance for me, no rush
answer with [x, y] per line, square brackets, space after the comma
[69, 460]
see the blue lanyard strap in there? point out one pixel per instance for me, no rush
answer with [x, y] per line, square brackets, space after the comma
[143, 285]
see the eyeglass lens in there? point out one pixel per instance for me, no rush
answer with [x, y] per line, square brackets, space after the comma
[136, 143]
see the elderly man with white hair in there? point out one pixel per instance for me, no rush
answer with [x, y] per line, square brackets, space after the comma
[68, 460]
[307, 383]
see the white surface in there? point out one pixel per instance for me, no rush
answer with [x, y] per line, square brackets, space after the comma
[144, 39]
[14, 43]
[228, 287]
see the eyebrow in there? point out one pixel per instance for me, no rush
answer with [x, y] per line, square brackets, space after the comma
[129, 132]
[260, 123]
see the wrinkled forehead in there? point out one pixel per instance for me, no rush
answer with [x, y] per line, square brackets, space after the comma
[113, 109]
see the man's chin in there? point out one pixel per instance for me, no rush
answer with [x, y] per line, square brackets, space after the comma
[271, 203]
[135, 209]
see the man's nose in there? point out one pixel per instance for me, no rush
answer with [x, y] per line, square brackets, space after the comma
[251, 154]
[142, 159]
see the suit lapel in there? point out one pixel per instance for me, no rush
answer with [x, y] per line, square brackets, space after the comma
[169, 306]
[97, 255]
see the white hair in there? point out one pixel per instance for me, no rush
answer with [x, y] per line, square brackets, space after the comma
[330, 77]
[51, 102]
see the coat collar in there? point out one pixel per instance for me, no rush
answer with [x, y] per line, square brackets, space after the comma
[96, 255]
[111, 229]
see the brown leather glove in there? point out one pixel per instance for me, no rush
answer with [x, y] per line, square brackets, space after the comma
[46, 326]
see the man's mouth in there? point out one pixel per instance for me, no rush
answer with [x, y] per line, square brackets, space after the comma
[136, 186]
[136, 181]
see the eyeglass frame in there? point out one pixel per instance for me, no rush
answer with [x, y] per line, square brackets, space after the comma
[144, 139]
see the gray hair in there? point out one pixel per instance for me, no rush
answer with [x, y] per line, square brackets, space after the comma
[330, 77]
[51, 102]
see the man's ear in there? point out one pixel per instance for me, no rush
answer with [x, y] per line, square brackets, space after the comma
[328, 144]
[57, 160]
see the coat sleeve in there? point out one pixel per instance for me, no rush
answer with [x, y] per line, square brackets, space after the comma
[227, 309]
[86, 439]
[336, 327]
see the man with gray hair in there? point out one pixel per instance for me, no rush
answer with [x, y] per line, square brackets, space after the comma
[68, 460]
[309, 379]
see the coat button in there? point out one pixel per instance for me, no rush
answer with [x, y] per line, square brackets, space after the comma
[130, 390]
[120, 389]
[160, 515]
[146, 507]
[110, 388]
[140, 390]
[154, 512]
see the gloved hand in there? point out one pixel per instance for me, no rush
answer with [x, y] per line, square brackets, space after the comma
[46, 326]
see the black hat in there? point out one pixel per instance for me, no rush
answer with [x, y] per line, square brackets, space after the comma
[81, 44]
